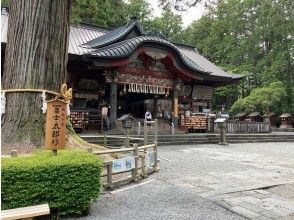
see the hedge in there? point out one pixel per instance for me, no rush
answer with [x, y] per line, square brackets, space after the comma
[68, 182]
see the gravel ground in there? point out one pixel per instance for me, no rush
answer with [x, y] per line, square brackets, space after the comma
[192, 177]
[157, 200]
[286, 191]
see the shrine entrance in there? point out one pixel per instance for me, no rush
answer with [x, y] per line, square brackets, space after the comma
[136, 104]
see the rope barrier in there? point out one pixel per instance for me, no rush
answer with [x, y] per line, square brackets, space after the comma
[30, 90]
[64, 94]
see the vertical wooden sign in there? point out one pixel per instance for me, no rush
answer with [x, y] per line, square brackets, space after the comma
[55, 131]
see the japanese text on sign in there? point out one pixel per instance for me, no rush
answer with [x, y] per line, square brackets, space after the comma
[150, 159]
[55, 125]
[123, 164]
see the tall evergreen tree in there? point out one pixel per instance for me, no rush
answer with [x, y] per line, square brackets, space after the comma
[35, 58]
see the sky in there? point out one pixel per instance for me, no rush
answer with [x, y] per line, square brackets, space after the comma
[192, 14]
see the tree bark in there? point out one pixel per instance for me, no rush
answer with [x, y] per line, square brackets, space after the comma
[35, 58]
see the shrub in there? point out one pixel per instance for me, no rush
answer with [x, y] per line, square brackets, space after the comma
[68, 182]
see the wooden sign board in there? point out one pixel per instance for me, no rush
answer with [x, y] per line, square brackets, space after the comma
[55, 130]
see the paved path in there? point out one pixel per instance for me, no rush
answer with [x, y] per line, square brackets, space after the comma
[238, 181]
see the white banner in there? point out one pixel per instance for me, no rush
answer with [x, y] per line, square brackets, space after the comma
[123, 164]
[150, 159]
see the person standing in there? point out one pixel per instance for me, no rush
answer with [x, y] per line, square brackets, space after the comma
[148, 116]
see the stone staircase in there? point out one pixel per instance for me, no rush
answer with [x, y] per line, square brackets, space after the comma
[183, 139]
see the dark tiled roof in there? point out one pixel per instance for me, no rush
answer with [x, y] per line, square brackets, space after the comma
[127, 47]
[254, 114]
[241, 114]
[208, 66]
[269, 114]
[286, 115]
[113, 35]
[83, 37]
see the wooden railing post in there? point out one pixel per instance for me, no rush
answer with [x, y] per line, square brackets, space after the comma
[127, 141]
[155, 157]
[104, 140]
[109, 175]
[13, 153]
[145, 132]
[139, 128]
[136, 156]
[143, 157]
[156, 131]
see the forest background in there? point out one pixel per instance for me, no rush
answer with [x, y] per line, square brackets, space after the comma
[249, 37]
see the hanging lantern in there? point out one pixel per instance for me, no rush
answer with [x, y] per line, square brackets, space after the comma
[129, 90]
[125, 88]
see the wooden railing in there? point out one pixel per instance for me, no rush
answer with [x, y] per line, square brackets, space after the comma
[248, 127]
[141, 163]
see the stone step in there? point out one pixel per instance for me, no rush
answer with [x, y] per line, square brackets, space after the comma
[198, 139]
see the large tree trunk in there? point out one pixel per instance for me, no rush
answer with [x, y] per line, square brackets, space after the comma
[35, 58]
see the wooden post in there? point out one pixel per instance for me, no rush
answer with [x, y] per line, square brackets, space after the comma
[104, 140]
[155, 157]
[156, 131]
[109, 175]
[102, 123]
[113, 104]
[139, 128]
[223, 140]
[135, 170]
[155, 106]
[144, 174]
[13, 153]
[145, 132]
[127, 142]
[175, 108]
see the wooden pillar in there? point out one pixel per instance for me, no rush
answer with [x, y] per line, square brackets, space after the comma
[155, 107]
[145, 132]
[175, 108]
[136, 155]
[109, 175]
[113, 104]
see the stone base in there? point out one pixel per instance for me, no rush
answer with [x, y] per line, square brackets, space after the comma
[223, 143]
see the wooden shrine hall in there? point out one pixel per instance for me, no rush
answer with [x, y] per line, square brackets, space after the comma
[129, 71]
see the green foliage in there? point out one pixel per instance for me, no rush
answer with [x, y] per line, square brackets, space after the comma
[169, 24]
[5, 3]
[266, 99]
[114, 13]
[254, 38]
[69, 182]
[225, 95]
[109, 13]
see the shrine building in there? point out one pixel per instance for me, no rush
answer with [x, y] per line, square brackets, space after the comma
[129, 71]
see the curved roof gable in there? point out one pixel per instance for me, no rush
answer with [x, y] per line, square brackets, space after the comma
[127, 47]
[115, 35]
